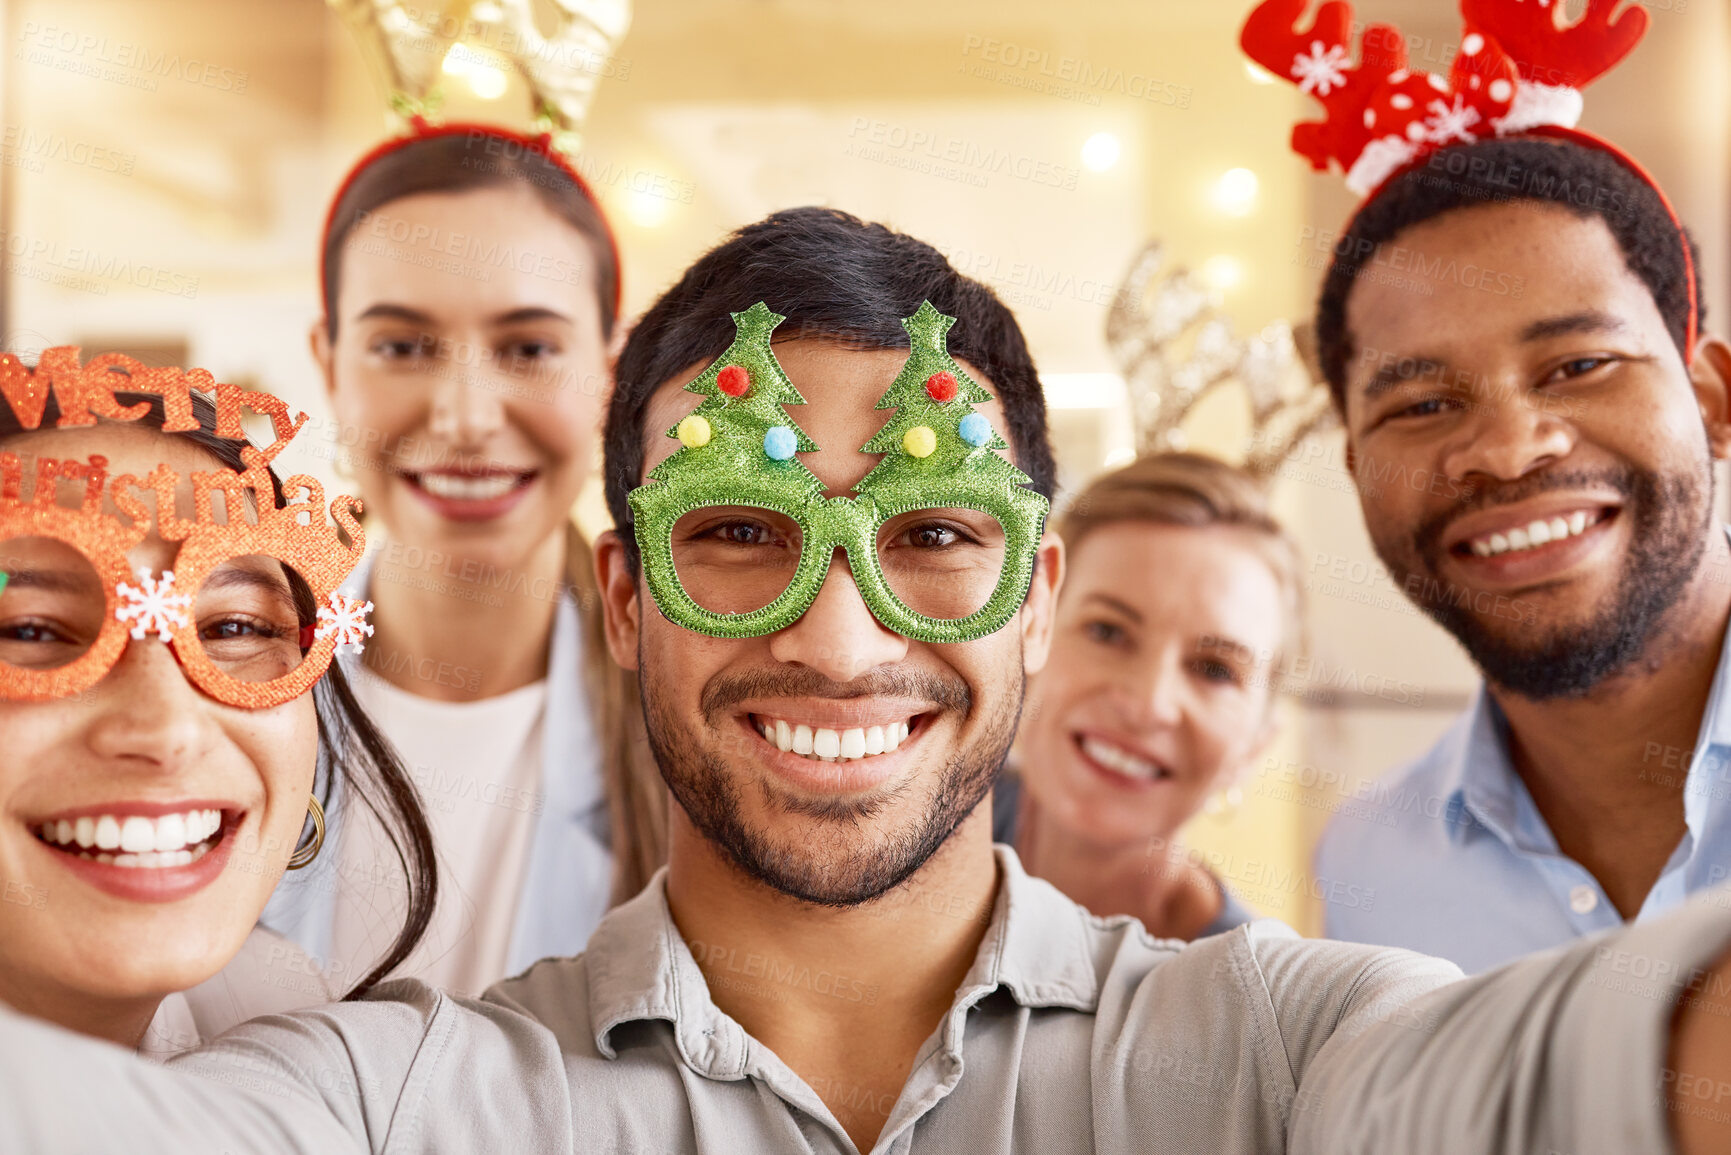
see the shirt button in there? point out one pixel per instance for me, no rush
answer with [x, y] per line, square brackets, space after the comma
[1583, 899]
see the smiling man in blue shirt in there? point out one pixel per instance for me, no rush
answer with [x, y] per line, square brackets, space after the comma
[1565, 536]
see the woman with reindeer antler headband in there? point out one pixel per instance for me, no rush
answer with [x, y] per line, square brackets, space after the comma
[471, 285]
[169, 610]
[1553, 386]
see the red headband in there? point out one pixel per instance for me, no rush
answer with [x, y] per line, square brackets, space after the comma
[420, 130]
[1519, 73]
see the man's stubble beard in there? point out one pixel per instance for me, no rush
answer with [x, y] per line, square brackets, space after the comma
[822, 868]
[1668, 515]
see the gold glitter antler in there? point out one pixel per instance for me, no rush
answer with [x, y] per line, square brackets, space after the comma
[408, 46]
[1173, 347]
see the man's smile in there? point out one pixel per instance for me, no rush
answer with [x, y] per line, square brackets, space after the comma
[1531, 543]
[837, 746]
[831, 745]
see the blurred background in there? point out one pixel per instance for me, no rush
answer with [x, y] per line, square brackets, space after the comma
[166, 166]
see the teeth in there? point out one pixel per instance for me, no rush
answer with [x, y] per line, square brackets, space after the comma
[170, 832]
[829, 745]
[1121, 760]
[143, 841]
[137, 835]
[1535, 533]
[149, 858]
[469, 488]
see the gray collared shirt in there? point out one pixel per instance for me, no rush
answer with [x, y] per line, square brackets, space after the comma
[1069, 1034]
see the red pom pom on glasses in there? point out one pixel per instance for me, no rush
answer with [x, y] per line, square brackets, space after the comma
[733, 381]
[941, 387]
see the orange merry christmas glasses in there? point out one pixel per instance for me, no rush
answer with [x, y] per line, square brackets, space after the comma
[250, 608]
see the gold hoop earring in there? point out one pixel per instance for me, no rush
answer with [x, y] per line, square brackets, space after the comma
[304, 855]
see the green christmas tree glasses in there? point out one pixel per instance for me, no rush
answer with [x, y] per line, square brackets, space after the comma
[736, 535]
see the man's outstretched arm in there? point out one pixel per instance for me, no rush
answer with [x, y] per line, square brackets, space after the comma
[64, 1092]
[407, 1070]
[1577, 1050]
[1697, 1078]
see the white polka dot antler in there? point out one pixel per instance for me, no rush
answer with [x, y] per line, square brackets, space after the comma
[1519, 68]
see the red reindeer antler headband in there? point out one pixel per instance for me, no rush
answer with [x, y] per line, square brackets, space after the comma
[1519, 72]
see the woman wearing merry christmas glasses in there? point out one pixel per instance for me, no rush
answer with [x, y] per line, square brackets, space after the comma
[166, 708]
[471, 287]
[1157, 694]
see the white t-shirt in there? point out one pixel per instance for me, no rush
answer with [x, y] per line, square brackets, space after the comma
[478, 768]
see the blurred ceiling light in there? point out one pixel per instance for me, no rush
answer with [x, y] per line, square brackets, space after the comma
[1100, 151]
[1222, 272]
[1257, 73]
[1082, 390]
[484, 79]
[645, 208]
[1235, 192]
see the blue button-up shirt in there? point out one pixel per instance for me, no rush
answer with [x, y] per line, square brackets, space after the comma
[1464, 866]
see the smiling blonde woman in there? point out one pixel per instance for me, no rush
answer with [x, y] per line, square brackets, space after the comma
[1180, 595]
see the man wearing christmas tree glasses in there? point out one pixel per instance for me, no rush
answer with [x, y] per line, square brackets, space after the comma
[837, 959]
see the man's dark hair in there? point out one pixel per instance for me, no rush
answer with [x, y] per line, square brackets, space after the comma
[1586, 181]
[835, 277]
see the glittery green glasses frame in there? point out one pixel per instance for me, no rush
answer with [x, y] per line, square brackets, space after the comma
[853, 525]
[738, 454]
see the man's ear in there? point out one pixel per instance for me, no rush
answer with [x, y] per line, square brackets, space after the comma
[1710, 378]
[620, 606]
[319, 341]
[1039, 611]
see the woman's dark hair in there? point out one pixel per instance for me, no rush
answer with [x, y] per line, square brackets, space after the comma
[462, 160]
[838, 278]
[1585, 181]
[349, 743]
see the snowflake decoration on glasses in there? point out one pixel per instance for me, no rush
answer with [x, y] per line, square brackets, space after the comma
[1323, 70]
[152, 606]
[346, 618]
[1448, 124]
